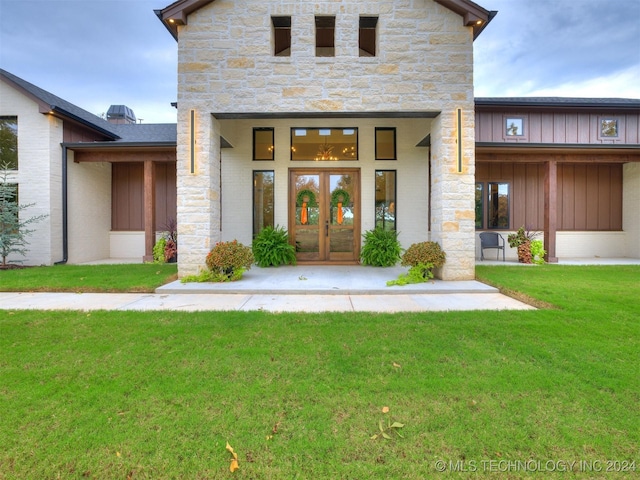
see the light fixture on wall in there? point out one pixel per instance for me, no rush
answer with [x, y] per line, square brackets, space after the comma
[459, 112]
[192, 142]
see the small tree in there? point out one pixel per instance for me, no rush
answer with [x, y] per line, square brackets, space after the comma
[13, 229]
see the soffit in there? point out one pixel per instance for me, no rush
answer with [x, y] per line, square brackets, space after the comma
[473, 15]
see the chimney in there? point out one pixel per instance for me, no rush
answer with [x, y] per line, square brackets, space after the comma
[120, 114]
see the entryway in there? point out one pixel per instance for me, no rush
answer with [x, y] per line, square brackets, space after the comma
[324, 214]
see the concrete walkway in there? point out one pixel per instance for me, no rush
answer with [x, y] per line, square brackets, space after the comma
[286, 289]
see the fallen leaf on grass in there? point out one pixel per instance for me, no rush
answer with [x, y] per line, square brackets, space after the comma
[234, 461]
[385, 409]
[397, 365]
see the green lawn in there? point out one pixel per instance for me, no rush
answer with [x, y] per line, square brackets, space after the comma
[159, 394]
[88, 278]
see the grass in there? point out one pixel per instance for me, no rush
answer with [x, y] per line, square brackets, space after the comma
[88, 278]
[158, 394]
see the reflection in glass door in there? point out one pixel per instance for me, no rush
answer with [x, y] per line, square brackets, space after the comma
[324, 215]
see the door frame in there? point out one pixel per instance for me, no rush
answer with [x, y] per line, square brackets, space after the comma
[326, 257]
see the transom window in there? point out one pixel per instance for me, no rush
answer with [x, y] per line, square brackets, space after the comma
[324, 144]
[263, 148]
[385, 143]
[609, 127]
[514, 127]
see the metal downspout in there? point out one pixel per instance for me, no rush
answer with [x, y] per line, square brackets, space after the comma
[65, 230]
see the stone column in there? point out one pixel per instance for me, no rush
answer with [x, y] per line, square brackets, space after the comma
[452, 193]
[198, 185]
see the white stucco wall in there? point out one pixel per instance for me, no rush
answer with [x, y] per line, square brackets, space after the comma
[631, 208]
[38, 176]
[424, 64]
[89, 201]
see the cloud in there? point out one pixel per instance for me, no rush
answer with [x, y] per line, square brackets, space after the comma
[546, 46]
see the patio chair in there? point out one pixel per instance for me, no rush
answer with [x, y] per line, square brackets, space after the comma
[491, 240]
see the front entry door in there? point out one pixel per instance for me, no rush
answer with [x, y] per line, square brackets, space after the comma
[324, 214]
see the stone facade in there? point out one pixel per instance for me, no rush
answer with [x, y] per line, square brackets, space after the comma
[424, 65]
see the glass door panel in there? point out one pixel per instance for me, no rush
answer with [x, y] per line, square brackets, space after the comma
[324, 214]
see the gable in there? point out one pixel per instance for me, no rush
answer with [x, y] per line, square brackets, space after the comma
[473, 15]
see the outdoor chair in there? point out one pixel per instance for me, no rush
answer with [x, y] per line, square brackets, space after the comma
[491, 240]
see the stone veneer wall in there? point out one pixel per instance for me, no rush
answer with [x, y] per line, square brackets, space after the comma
[424, 64]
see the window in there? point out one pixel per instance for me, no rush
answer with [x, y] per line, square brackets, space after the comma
[386, 199]
[608, 127]
[262, 200]
[263, 144]
[367, 36]
[498, 206]
[324, 144]
[281, 36]
[8, 143]
[479, 205]
[514, 127]
[385, 143]
[325, 36]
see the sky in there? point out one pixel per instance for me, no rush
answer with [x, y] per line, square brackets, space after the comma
[95, 53]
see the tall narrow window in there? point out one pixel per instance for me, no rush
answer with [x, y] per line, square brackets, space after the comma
[479, 205]
[386, 199]
[281, 36]
[263, 148]
[367, 36]
[262, 200]
[325, 36]
[9, 143]
[385, 143]
[498, 206]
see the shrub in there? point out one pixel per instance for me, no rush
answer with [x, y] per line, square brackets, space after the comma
[424, 253]
[419, 273]
[271, 247]
[381, 248]
[537, 252]
[227, 261]
[158, 250]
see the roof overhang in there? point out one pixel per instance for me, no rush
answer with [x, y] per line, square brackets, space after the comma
[473, 15]
[519, 152]
[276, 115]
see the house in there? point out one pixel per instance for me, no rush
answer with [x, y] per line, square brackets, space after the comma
[328, 119]
[566, 167]
[105, 185]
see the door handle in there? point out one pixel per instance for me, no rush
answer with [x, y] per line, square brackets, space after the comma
[326, 228]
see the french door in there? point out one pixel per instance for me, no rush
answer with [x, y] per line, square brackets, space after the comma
[324, 214]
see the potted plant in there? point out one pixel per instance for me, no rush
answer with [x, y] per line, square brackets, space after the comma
[522, 241]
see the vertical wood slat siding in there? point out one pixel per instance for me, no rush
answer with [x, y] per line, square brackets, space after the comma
[127, 195]
[589, 195]
[572, 128]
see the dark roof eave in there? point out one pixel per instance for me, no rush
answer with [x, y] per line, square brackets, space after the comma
[117, 145]
[558, 102]
[63, 113]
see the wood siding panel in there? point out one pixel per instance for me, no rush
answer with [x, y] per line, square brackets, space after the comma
[127, 187]
[589, 195]
[559, 128]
